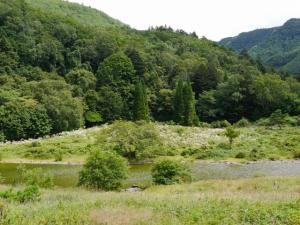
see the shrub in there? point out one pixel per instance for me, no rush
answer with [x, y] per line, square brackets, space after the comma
[104, 170]
[220, 124]
[35, 144]
[213, 153]
[255, 154]
[134, 141]
[231, 134]
[192, 151]
[242, 123]
[58, 156]
[296, 154]
[168, 172]
[240, 155]
[278, 118]
[35, 177]
[28, 194]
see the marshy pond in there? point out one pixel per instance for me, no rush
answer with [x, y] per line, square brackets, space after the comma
[67, 175]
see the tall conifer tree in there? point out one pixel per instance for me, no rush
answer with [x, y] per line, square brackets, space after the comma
[178, 103]
[190, 117]
[141, 108]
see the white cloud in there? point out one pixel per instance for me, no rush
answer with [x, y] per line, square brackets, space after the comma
[214, 19]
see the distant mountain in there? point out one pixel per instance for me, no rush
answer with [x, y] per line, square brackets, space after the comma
[278, 46]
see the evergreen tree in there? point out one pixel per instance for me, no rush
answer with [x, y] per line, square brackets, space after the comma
[141, 108]
[137, 61]
[178, 103]
[190, 117]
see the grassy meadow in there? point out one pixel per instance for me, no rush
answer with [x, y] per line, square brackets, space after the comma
[247, 201]
[154, 140]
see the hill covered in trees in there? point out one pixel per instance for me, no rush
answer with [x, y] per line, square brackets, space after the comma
[64, 66]
[278, 46]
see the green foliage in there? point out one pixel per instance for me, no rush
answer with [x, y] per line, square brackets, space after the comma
[277, 118]
[110, 104]
[231, 133]
[190, 118]
[60, 61]
[240, 155]
[58, 156]
[296, 154]
[30, 193]
[93, 118]
[220, 124]
[178, 102]
[168, 172]
[135, 141]
[19, 120]
[276, 46]
[104, 170]
[141, 109]
[35, 177]
[184, 105]
[64, 111]
[82, 79]
[137, 61]
[242, 123]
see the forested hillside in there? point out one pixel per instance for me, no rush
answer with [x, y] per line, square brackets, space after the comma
[60, 72]
[278, 46]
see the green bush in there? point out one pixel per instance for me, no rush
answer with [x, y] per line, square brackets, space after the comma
[191, 151]
[35, 177]
[240, 155]
[256, 155]
[296, 154]
[242, 123]
[28, 194]
[104, 170]
[168, 172]
[212, 154]
[58, 156]
[220, 124]
[36, 144]
[135, 141]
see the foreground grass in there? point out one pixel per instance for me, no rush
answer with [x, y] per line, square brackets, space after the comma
[254, 143]
[248, 201]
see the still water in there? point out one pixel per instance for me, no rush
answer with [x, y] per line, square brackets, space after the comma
[67, 175]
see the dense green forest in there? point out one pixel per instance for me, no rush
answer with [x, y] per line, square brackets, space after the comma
[278, 46]
[60, 72]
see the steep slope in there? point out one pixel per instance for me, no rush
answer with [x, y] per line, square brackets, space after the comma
[279, 46]
[81, 13]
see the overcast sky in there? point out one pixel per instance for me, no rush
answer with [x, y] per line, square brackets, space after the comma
[214, 19]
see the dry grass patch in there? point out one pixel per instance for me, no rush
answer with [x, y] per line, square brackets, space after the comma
[123, 216]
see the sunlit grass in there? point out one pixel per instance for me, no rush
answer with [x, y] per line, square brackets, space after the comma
[248, 201]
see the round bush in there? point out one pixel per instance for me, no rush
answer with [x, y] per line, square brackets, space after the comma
[242, 123]
[170, 172]
[104, 170]
[240, 155]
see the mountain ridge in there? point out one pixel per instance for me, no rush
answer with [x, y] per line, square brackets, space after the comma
[277, 46]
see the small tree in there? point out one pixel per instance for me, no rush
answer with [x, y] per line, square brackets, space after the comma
[170, 172]
[231, 133]
[104, 170]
